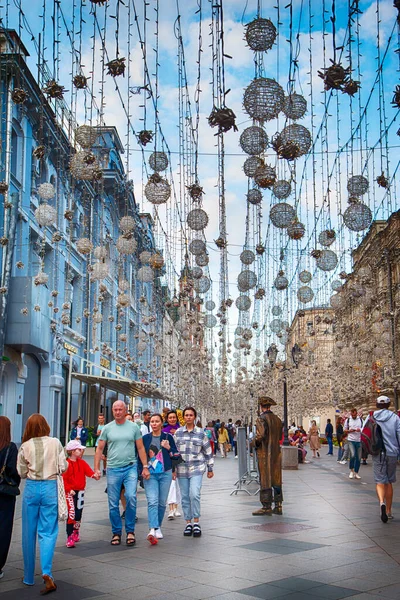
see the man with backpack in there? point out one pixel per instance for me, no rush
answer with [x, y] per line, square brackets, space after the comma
[353, 426]
[384, 452]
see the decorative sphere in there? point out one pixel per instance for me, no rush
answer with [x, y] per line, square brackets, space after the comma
[327, 261]
[294, 106]
[251, 164]
[281, 282]
[81, 169]
[276, 325]
[357, 216]
[196, 272]
[99, 271]
[145, 274]
[202, 285]
[202, 260]
[123, 299]
[247, 257]
[246, 280]
[86, 136]
[357, 185]
[100, 252]
[242, 303]
[127, 224]
[263, 99]
[260, 34]
[327, 237]
[265, 176]
[276, 311]
[210, 321]
[123, 285]
[46, 215]
[336, 301]
[197, 219]
[145, 257]
[197, 247]
[336, 285]
[296, 230]
[126, 245]
[157, 261]
[46, 191]
[281, 189]
[41, 278]
[282, 214]
[158, 161]
[84, 246]
[210, 305]
[253, 140]
[157, 190]
[292, 142]
[305, 294]
[254, 196]
[305, 276]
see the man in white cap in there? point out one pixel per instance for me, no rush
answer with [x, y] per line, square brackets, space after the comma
[385, 463]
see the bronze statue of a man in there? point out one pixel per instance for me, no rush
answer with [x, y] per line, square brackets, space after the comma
[267, 443]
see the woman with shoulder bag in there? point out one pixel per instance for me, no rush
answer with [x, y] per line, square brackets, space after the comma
[9, 482]
[41, 459]
[313, 436]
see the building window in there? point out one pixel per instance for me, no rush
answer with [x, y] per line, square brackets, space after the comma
[309, 327]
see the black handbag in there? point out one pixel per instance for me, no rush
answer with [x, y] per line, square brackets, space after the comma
[7, 485]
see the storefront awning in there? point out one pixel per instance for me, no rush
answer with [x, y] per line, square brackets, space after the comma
[126, 387]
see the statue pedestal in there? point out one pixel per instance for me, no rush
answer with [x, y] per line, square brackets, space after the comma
[289, 458]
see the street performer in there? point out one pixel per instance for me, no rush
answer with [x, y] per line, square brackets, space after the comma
[267, 443]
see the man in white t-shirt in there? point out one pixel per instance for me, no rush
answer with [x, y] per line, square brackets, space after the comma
[353, 426]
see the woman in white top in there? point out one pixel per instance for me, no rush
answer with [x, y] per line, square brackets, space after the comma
[40, 459]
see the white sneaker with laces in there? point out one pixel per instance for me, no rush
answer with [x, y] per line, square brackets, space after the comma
[351, 475]
[177, 513]
[357, 476]
[171, 514]
[343, 462]
[159, 534]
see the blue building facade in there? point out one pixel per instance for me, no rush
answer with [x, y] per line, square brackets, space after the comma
[71, 302]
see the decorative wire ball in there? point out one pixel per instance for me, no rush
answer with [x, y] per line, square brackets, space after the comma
[247, 257]
[197, 272]
[157, 261]
[253, 140]
[157, 190]
[282, 214]
[260, 34]
[127, 224]
[357, 216]
[210, 321]
[336, 301]
[65, 319]
[210, 305]
[246, 280]
[126, 245]
[281, 282]
[305, 277]
[336, 285]
[202, 285]
[327, 261]
[86, 136]
[145, 274]
[158, 161]
[251, 164]
[100, 252]
[254, 196]
[276, 311]
[357, 185]
[292, 142]
[99, 271]
[197, 219]
[239, 330]
[197, 247]
[296, 230]
[242, 303]
[305, 294]
[276, 325]
[263, 99]
[84, 246]
[145, 257]
[123, 285]
[46, 215]
[142, 346]
[281, 189]
[123, 299]
[202, 260]
[82, 169]
[46, 191]
[41, 278]
[294, 106]
[265, 176]
[327, 237]
[123, 337]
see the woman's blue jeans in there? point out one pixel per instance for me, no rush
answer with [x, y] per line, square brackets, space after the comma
[191, 490]
[39, 519]
[115, 478]
[157, 489]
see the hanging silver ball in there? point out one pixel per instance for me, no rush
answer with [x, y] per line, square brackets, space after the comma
[247, 257]
[246, 280]
[263, 99]
[158, 161]
[253, 140]
[357, 216]
[305, 294]
[327, 260]
[251, 164]
[260, 34]
[197, 247]
[254, 196]
[242, 303]
[357, 185]
[282, 189]
[282, 214]
[197, 219]
[305, 276]
[294, 106]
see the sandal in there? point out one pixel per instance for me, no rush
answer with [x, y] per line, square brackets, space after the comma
[116, 539]
[130, 539]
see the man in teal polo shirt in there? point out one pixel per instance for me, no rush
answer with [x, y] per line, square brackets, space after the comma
[124, 441]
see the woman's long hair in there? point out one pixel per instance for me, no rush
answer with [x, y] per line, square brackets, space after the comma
[36, 426]
[5, 432]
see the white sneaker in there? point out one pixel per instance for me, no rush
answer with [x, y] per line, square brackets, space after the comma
[152, 538]
[177, 513]
[171, 514]
[351, 475]
[390, 516]
[236, 456]
[343, 462]
[357, 476]
[159, 534]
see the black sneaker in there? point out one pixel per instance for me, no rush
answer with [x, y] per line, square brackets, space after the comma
[384, 517]
[196, 530]
[188, 530]
[123, 515]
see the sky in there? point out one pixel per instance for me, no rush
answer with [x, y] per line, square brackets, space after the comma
[320, 178]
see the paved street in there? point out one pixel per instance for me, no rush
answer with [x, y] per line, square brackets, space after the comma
[329, 544]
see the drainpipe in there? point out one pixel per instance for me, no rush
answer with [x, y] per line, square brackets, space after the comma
[392, 323]
[7, 163]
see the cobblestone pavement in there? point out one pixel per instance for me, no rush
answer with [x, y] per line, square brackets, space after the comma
[328, 544]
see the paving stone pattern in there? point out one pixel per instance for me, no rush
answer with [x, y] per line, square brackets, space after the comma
[328, 544]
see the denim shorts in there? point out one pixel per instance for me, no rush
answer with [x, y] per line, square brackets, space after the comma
[384, 469]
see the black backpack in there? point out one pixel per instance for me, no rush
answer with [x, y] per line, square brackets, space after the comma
[372, 438]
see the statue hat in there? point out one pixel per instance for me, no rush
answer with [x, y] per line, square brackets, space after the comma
[266, 401]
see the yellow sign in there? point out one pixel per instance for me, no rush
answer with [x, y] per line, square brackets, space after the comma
[70, 348]
[104, 362]
[118, 369]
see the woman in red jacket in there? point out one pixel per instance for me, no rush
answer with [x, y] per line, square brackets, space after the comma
[74, 484]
